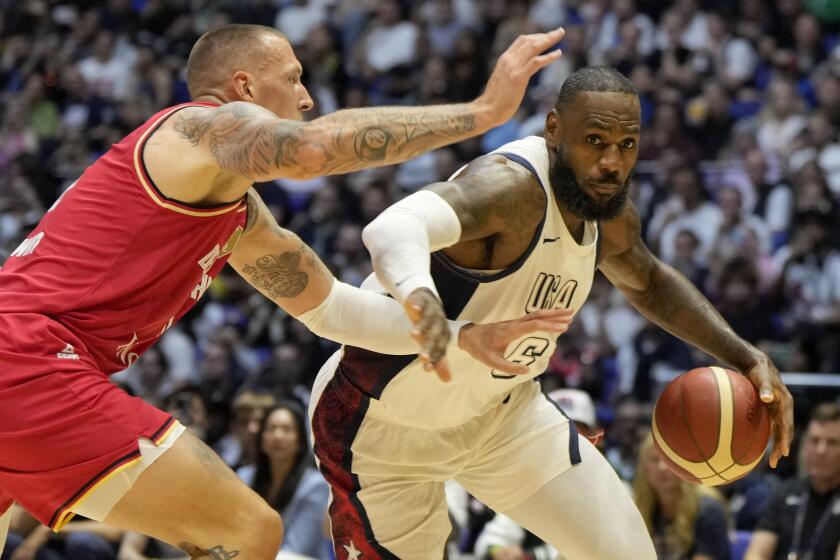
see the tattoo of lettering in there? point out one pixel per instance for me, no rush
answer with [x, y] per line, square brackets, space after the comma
[278, 275]
[250, 141]
[216, 553]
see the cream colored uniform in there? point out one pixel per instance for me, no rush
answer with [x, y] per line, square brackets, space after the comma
[388, 434]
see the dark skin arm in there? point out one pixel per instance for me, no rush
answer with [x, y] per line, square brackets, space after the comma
[667, 298]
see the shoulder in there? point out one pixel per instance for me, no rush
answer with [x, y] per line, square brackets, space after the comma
[621, 233]
[495, 178]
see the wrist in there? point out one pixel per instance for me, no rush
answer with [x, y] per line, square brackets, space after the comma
[485, 117]
[457, 329]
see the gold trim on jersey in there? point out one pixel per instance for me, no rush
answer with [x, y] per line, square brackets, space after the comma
[153, 192]
[67, 515]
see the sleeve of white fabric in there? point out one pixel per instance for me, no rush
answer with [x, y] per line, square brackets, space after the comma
[401, 239]
[365, 319]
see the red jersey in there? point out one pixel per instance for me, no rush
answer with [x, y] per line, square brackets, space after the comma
[114, 261]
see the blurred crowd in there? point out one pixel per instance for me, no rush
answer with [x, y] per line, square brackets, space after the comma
[737, 184]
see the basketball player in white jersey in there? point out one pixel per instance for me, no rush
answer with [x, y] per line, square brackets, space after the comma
[516, 231]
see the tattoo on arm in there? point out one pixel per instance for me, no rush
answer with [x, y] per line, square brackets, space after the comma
[278, 275]
[252, 142]
[218, 552]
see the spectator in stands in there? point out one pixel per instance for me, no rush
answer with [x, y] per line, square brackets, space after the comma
[802, 519]
[687, 521]
[285, 477]
[774, 199]
[239, 446]
[688, 207]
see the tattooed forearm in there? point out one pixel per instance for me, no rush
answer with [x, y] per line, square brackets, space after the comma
[250, 141]
[216, 553]
[278, 276]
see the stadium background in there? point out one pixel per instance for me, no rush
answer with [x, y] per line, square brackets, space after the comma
[737, 184]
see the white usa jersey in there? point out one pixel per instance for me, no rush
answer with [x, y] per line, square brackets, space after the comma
[554, 272]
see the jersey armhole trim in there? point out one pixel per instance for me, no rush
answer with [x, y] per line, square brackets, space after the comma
[154, 192]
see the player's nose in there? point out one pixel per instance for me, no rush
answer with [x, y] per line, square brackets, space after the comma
[610, 160]
[305, 103]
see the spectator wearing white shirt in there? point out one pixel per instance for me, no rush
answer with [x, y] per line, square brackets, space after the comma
[109, 71]
[299, 19]
[687, 208]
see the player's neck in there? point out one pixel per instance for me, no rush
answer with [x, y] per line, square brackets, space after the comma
[573, 223]
[210, 98]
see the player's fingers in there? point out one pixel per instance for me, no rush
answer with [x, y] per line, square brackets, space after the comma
[539, 62]
[541, 41]
[562, 313]
[765, 391]
[442, 370]
[528, 327]
[497, 361]
[414, 311]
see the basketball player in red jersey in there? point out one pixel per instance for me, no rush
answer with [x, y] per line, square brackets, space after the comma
[136, 241]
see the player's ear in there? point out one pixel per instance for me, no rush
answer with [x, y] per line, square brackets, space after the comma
[553, 128]
[243, 86]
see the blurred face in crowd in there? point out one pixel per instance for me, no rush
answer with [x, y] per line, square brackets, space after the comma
[594, 148]
[822, 451]
[280, 438]
[756, 167]
[657, 473]
[684, 183]
[729, 200]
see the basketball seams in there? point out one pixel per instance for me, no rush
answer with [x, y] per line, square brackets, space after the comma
[721, 467]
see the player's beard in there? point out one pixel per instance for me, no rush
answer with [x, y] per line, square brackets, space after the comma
[572, 196]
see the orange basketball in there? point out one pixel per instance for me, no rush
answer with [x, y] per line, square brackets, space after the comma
[710, 426]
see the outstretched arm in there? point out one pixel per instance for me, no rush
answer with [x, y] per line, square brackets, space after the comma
[667, 298]
[249, 141]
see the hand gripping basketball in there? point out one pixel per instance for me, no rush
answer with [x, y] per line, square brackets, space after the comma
[773, 393]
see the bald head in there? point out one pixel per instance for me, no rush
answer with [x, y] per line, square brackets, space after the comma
[222, 51]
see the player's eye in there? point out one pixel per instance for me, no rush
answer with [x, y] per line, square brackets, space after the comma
[293, 79]
[593, 139]
[628, 144]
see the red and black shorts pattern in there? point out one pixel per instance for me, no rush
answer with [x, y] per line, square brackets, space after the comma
[335, 423]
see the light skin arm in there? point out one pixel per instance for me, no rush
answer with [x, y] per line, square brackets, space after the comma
[762, 546]
[667, 298]
[247, 141]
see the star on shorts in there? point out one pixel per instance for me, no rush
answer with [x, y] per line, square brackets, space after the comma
[352, 553]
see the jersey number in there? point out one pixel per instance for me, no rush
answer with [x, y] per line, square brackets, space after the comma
[525, 353]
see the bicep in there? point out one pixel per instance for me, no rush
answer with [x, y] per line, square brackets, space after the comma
[242, 139]
[278, 264]
[490, 196]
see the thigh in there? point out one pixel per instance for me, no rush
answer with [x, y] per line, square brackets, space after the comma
[5, 521]
[384, 502]
[529, 443]
[189, 498]
[587, 513]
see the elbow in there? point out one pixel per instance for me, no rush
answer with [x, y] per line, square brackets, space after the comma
[372, 232]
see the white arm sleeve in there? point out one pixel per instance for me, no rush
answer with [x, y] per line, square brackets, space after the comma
[401, 239]
[365, 319]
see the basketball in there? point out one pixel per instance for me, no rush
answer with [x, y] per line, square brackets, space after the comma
[710, 426]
